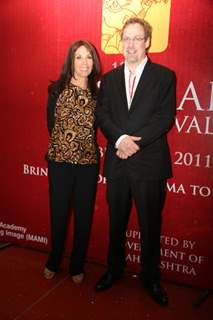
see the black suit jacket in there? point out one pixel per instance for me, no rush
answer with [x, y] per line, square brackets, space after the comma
[151, 115]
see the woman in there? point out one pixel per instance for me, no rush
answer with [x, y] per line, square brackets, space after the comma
[72, 156]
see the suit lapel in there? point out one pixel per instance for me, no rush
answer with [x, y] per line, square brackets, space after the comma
[120, 84]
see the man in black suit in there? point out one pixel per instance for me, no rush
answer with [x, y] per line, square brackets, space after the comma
[135, 110]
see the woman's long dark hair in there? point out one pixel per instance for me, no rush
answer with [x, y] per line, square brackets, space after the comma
[56, 87]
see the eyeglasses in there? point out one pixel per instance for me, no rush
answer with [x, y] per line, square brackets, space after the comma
[135, 39]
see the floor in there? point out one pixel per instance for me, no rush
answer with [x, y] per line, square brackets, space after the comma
[26, 295]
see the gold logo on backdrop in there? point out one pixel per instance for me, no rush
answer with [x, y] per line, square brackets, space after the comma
[116, 12]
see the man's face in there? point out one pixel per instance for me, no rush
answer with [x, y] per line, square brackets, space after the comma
[134, 44]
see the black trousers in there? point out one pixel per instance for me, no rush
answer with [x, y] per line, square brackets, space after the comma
[149, 199]
[74, 186]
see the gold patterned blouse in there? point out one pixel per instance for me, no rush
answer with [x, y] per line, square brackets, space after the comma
[73, 136]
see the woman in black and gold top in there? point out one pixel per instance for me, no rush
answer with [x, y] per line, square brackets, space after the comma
[72, 156]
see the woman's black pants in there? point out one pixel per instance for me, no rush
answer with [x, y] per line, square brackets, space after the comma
[71, 185]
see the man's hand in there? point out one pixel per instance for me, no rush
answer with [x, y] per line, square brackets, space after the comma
[127, 147]
[121, 155]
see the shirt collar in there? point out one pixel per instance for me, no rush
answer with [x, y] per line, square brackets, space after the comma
[139, 68]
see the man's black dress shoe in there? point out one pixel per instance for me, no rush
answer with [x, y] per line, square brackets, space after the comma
[106, 282]
[158, 294]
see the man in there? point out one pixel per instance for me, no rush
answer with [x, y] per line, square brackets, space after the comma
[135, 110]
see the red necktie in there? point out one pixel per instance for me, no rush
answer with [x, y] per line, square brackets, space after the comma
[131, 84]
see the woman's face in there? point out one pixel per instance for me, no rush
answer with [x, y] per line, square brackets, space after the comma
[83, 63]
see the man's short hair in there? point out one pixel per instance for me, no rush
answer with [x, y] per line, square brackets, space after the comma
[146, 26]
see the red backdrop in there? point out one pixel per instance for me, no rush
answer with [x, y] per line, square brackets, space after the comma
[35, 36]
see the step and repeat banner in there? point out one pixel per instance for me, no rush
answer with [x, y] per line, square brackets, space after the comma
[35, 36]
